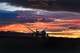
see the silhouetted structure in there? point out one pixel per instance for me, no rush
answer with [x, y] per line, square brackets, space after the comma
[39, 34]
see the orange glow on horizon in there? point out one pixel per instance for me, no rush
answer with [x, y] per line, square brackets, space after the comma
[40, 25]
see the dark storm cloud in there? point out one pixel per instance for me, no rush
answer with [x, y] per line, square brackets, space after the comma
[68, 5]
[16, 2]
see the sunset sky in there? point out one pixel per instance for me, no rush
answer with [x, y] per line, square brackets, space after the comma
[9, 16]
[17, 18]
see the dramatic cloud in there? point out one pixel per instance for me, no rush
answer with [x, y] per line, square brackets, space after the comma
[69, 5]
[9, 7]
[8, 17]
[9, 12]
